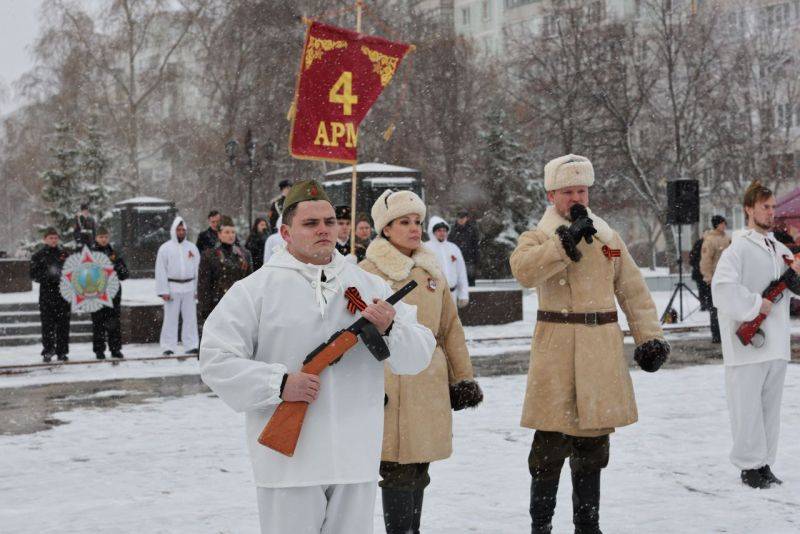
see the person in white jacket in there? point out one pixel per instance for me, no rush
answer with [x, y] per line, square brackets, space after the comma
[274, 241]
[253, 347]
[177, 263]
[754, 375]
[450, 259]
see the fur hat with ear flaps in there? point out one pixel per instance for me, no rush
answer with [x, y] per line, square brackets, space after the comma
[568, 171]
[393, 204]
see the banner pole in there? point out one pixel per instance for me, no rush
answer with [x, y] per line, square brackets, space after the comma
[354, 178]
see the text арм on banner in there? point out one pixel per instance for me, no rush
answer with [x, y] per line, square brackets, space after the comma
[342, 73]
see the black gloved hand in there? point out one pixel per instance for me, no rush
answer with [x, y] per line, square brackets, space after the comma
[582, 226]
[465, 394]
[651, 355]
[792, 281]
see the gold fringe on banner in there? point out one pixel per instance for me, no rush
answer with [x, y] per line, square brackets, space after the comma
[389, 131]
[290, 114]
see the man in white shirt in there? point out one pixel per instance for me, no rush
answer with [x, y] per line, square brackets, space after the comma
[253, 347]
[754, 375]
[450, 259]
[177, 263]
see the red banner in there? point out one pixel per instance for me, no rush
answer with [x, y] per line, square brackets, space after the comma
[342, 73]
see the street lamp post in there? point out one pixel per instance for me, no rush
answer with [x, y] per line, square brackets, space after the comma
[250, 144]
[252, 164]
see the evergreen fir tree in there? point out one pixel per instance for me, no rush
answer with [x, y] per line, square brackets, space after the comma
[94, 163]
[514, 191]
[61, 192]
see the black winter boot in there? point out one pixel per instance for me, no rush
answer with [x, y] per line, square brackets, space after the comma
[754, 479]
[586, 502]
[543, 505]
[767, 473]
[415, 523]
[398, 510]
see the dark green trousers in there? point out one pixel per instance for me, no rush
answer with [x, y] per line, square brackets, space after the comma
[550, 449]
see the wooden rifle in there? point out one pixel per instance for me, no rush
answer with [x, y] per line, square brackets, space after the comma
[283, 429]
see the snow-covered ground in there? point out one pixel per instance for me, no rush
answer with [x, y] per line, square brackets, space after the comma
[110, 370]
[135, 292]
[179, 465]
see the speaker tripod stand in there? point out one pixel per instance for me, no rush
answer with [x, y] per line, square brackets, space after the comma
[679, 286]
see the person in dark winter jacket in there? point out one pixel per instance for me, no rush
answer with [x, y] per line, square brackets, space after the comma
[363, 236]
[256, 240]
[464, 235]
[220, 268]
[106, 321]
[276, 207]
[84, 230]
[207, 239]
[703, 289]
[46, 266]
[714, 242]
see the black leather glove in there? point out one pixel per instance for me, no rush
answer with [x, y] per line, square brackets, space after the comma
[582, 228]
[651, 355]
[465, 394]
[793, 281]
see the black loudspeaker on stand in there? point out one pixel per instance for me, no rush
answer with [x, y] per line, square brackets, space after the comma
[683, 207]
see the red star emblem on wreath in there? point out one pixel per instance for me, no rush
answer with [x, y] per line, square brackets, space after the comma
[89, 281]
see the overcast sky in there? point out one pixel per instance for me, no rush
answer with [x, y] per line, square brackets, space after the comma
[18, 29]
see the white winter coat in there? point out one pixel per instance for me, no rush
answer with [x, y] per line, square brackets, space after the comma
[274, 241]
[179, 261]
[450, 260]
[744, 270]
[264, 327]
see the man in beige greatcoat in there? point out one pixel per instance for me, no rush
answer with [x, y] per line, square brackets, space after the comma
[579, 388]
[714, 242]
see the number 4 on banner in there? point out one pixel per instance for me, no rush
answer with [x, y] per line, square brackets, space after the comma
[346, 97]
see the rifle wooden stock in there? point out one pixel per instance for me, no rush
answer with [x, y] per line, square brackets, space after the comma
[283, 429]
[748, 330]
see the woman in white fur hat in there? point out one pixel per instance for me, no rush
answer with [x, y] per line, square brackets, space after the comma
[417, 419]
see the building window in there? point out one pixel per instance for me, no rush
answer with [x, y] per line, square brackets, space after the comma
[485, 10]
[465, 16]
[550, 25]
[511, 4]
[777, 15]
[596, 12]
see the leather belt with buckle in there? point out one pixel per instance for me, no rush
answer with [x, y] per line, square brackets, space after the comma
[588, 319]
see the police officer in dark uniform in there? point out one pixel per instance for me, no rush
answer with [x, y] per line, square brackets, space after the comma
[46, 266]
[84, 230]
[106, 321]
[207, 239]
[220, 268]
[276, 208]
[343, 229]
[343, 236]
